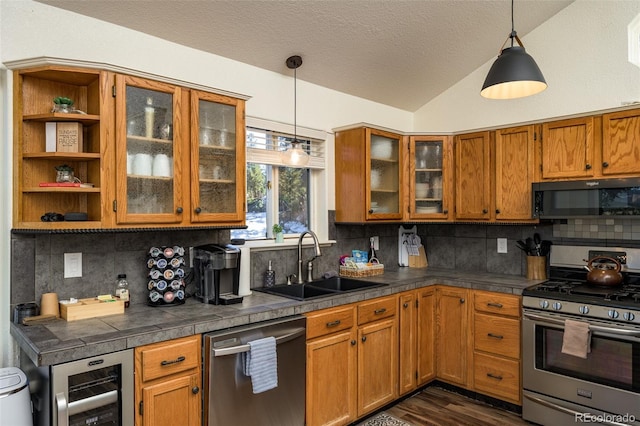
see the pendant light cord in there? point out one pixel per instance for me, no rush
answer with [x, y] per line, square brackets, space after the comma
[295, 106]
[513, 30]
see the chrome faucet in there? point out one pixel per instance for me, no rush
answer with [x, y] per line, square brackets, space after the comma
[316, 247]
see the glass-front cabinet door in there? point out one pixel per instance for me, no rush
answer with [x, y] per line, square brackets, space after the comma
[429, 169]
[384, 171]
[148, 151]
[217, 158]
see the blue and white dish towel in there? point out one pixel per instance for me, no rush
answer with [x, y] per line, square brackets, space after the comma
[261, 364]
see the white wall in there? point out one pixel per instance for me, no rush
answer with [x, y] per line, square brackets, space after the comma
[583, 54]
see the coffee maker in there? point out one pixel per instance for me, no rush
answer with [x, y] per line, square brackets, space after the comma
[216, 271]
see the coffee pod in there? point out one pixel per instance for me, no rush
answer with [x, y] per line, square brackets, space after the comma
[49, 304]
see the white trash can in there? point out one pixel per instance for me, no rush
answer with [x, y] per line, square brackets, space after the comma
[15, 400]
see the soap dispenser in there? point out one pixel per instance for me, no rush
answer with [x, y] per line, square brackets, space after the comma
[269, 276]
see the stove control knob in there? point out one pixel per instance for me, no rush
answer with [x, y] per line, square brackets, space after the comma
[544, 304]
[613, 314]
[628, 316]
[584, 309]
[557, 306]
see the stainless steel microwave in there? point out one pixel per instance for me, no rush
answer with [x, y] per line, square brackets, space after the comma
[586, 198]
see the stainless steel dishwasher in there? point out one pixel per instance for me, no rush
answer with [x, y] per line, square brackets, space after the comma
[229, 398]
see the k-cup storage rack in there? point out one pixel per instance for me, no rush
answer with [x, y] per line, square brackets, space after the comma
[166, 276]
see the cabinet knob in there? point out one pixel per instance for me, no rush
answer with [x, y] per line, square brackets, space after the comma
[195, 390]
[370, 211]
[588, 166]
[198, 210]
[462, 300]
[405, 305]
[353, 343]
[605, 164]
[485, 211]
[497, 211]
[445, 211]
[364, 338]
[179, 210]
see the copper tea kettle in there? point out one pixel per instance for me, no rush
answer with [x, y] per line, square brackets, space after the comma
[603, 273]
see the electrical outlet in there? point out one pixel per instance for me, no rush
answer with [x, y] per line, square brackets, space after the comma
[72, 265]
[502, 245]
[376, 243]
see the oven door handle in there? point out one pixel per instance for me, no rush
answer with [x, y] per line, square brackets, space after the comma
[245, 348]
[566, 410]
[559, 322]
[62, 407]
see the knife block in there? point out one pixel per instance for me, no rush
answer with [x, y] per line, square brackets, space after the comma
[536, 268]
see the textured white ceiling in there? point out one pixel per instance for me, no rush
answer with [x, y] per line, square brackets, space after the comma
[399, 53]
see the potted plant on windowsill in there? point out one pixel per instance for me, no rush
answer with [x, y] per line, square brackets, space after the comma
[278, 232]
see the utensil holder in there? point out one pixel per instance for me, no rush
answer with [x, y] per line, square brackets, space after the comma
[536, 268]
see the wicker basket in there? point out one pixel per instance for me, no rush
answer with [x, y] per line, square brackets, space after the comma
[361, 271]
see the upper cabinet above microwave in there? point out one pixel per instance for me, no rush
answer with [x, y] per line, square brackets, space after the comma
[587, 147]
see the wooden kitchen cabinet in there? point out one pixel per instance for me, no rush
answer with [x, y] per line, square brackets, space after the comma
[430, 178]
[167, 377]
[568, 149]
[621, 143]
[369, 175]
[201, 137]
[331, 395]
[416, 334]
[473, 177]
[34, 90]
[514, 171]
[497, 356]
[453, 335]
[352, 365]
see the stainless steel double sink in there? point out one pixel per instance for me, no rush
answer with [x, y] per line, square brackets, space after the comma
[320, 288]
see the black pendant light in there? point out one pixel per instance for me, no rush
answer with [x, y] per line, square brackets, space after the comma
[295, 156]
[514, 74]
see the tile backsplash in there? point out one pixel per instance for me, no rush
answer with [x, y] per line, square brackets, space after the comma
[37, 259]
[599, 229]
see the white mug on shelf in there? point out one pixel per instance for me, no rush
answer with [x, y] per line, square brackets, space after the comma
[142, 164]
[161, 166]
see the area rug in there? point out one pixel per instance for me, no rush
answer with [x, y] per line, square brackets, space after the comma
[384, 419]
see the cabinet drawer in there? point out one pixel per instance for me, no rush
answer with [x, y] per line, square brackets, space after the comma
[166, 358]
[497, 303]
[497, 377]
[329, 321]
[376, 309]
[497, 335]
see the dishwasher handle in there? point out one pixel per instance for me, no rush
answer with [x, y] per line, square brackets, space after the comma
[245, 348]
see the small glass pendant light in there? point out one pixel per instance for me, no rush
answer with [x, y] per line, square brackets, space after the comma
[295, 156]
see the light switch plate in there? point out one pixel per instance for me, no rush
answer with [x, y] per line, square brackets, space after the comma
[502, 245]
[73, 265]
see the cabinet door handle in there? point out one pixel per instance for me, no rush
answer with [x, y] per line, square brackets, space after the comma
[175, 361]
[364, 338]
[493, 376]
[495, 305]
[405, 305]
[462, 300]
[587, 166]
[179, 210]
[485, 211]
[380, 311]
[495, 336]
[445, 211]
[333, 323]
[198, 210]
[195, 390]
[605, 164]
[497, 211]
[370, 211]
[353, 343]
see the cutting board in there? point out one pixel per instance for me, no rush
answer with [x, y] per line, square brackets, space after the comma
[419, 261]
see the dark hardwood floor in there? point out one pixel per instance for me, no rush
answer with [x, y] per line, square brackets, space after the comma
[435, 406]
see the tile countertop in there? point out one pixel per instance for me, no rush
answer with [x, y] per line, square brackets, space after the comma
[59, 341]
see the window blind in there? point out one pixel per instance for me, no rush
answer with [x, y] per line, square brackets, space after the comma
[265, 146]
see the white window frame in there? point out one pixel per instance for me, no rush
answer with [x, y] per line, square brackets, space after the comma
[317, 196]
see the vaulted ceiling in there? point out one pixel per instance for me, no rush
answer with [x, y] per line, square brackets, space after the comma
[395, 52]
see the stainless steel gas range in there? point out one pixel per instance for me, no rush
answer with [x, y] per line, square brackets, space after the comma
[603, 387]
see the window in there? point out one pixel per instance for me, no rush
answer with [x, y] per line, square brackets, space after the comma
[277, 193]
